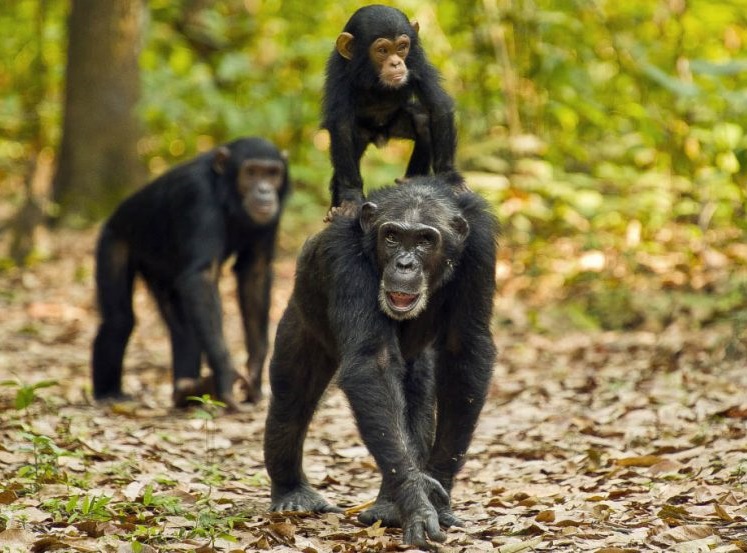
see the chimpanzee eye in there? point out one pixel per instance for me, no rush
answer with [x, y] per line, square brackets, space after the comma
[391, 239]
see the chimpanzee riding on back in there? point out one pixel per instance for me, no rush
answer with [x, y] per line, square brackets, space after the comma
[380, 85]
[175, 233]
[397, 304]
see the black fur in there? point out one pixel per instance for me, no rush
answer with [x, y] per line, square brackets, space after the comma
[393, 372]
[175, 233]
[358, 111]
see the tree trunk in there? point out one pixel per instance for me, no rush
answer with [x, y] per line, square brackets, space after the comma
[98, 160]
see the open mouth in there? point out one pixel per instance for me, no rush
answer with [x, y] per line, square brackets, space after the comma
[402, 302]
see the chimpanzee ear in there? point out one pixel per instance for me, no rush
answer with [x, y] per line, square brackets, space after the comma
[460, 226]
[222, 155]
[284, 155]
[368, 211]
[415, 26]
[344, 45]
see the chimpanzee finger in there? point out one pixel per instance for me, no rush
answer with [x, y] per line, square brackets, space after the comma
[436, 493]
[433, 528]
[413, 534]
[421, 527]
[448, 519]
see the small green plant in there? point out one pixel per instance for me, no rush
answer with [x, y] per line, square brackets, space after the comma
[77, 508]
[45, 467]
[26, 393]
[212, 524]
[209, 408]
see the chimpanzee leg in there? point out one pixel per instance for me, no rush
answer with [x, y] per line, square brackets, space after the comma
[462, 382]
[419, 390]
[414, 124]
[114, 281]
[299, 373]
[254, 276]
[347, 145]
[420, 160]
[186, 355]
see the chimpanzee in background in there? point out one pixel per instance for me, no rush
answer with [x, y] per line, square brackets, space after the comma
[176, 232]
[398, 304]
[380, 85]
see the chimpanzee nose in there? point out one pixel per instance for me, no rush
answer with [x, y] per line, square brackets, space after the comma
[405, 262]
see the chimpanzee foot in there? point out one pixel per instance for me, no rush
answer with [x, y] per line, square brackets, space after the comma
[114, 397]
[302, 498]
[383, 510]
[184, 388]
[250, 388]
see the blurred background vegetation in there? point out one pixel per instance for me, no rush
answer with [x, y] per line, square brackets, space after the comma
[609, 136]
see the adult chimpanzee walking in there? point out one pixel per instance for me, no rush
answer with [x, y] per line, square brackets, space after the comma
[380, 85]
[176, 232]
[398, 304]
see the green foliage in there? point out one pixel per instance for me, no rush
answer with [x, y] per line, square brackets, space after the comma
[596, 126]
[26, 393]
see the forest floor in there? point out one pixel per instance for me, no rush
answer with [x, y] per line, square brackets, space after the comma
[606, 442]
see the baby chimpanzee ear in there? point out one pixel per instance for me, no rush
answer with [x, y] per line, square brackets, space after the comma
[368, 211]
[460, 226]
[344, 45]
[222, 155]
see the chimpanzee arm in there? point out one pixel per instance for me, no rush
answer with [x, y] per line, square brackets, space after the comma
[347, 147]
[253, 270]
[200, 298]
[467, 354]
[371, 375]
[200, 232]
[441, 109]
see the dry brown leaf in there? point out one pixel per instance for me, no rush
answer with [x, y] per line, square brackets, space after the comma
[641, 461]
[545, 516]
[7, 497]
[359, 508]
[284, 531]
[14, 537]
[520, 546]
[721, 513]
[665, 466]
[685, 533]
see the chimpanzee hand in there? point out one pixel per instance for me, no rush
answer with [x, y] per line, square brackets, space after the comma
[446, 517]
[420, 519]
[347, 208]
[387, 512]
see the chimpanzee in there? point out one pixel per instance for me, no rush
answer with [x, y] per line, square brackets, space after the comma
[397, 303]
[380, 85]
[176, 232]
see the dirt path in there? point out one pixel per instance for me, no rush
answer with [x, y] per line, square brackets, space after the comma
[610, 442]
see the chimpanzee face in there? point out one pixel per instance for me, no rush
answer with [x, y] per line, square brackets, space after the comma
[388, 58]
[414, 254]
[410, 255]
[259, 182]
[385, 42]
